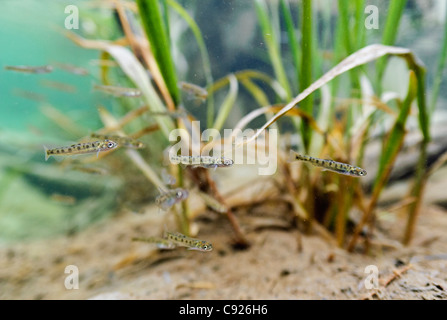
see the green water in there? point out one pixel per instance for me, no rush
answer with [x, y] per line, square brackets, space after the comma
[32, 35]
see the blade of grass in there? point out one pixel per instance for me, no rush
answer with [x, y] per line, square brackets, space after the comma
[440, 68]
[391, 149]
[257, 93]
[272, 45]
[134, 70]
[395, 11]
[160, 46]
[251, 74]
[291, 34]
[227, 104]
[421, 177]
[358, 58]
[360, 24]
[306, 68]
[343, 8]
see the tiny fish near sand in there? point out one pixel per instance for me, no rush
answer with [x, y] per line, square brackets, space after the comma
[169, 198]
[330, 165]
[81, 148]
[118, 91]
[191, 243]
[201, 161]
[31, 69]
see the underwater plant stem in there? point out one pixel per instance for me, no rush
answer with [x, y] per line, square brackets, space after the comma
[395, 11]
[272, 44]
[391, 148]
[293, 43]
[184, 220]
[416, 192]
[240, 237]
[440, 68]
[306, 68]
[140, 49]
[160, 46]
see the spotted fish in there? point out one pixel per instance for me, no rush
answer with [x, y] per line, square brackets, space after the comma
[331, 165]
[122, 141]
[30, 69]
[118, 91]
[81, 148]
[191, 243]
[201, 161]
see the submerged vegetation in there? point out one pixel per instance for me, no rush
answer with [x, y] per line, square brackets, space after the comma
[329, 85]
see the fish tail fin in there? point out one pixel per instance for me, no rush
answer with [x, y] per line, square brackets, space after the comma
[47, 154]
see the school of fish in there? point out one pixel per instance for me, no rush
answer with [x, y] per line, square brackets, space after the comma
[167, 197]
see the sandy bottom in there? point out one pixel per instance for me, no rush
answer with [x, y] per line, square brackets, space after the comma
[281, 263]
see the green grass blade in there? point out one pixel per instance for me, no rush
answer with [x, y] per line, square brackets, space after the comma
[251, 74]
[395, 139]
[360, 29]
[390, 151]
[227, 104]
[203, 52]
[440, 68]
[306, 67]
[395, 11]
[293, 43]
[356, 59]
[272, 45]
[257, 93]
[343, 8]
[159, 41]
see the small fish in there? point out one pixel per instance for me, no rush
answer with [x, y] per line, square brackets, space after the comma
[159, 242]
[331, 165]
[193, 90]
[191, 243]
[29, 69]
[58, 86]
[201, 161]
[122, 141]
[81, 148]
[72, 69]
[169, 198]
[118, 91]
[29, 95]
